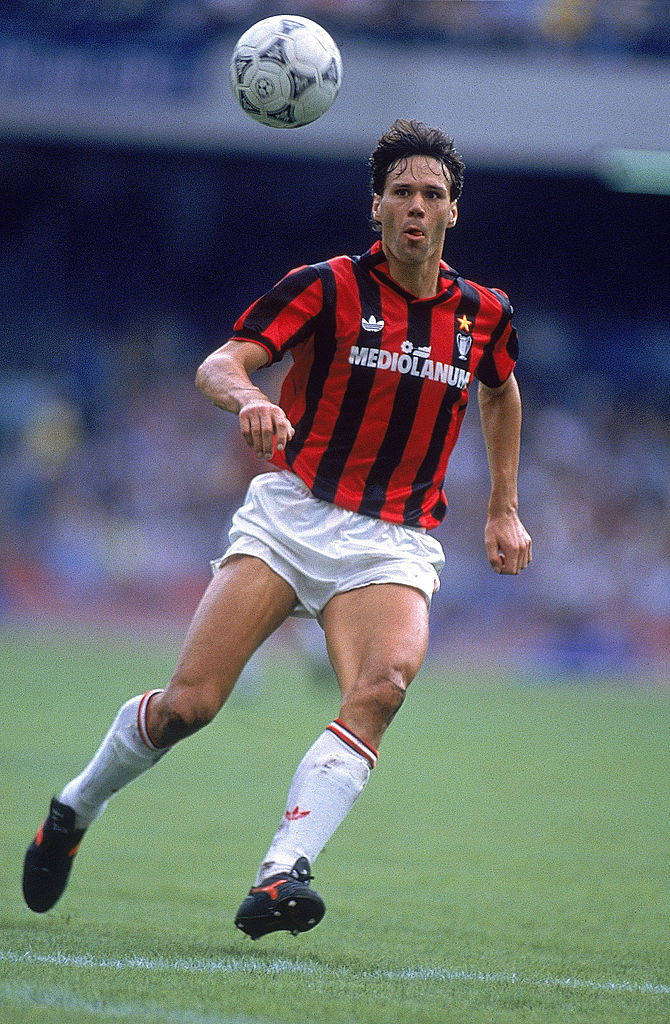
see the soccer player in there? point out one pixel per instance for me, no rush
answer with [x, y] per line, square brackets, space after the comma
[384, 348]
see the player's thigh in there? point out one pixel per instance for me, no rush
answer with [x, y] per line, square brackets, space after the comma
[376, 631]
[244, 603]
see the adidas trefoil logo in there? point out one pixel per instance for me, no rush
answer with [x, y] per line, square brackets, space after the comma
[296, 814]
[372, 324]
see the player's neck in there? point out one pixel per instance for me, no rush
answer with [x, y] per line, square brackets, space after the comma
[421, 279]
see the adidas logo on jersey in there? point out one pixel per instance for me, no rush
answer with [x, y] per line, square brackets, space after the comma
[372, 324]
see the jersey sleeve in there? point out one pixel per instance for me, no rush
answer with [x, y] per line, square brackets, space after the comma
[502, 350]
[284, 316]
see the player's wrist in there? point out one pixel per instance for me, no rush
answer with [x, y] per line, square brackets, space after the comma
[501, 508]
[245, 396]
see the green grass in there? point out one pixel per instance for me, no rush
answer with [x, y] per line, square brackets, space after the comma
[508, 864]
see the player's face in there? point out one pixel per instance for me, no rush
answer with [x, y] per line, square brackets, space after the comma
[415, 210]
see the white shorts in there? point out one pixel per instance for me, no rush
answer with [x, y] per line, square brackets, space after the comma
[322, 550]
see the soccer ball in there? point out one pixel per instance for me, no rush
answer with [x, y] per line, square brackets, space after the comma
[285, 71]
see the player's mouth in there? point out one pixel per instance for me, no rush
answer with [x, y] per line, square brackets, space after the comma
[414, 232]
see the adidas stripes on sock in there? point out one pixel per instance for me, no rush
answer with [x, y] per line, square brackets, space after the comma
[125, 753]
[327, 782]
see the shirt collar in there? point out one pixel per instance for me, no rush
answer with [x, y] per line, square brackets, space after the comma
[375, 262]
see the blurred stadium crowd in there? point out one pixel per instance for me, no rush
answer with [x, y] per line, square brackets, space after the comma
[636, 26]
[117, 482]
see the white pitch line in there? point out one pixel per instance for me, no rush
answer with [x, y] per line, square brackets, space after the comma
[64, 1001]
[253, 965]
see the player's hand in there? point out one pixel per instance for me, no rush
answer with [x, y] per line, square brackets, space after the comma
[508, 544]
[264, 426]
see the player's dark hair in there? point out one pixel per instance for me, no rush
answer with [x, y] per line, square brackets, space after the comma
[414, 138]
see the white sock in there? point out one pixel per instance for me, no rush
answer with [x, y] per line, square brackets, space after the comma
[328, 780]
[126, 752]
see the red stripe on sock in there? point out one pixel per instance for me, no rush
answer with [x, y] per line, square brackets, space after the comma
[345, 734]
[142, 720]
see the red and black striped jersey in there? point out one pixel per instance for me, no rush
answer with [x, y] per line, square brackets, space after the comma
[379, 382]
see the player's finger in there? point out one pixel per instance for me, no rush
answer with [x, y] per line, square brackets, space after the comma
[516, 557]
[267, 437]
[256, 433]
[276, 431]
[525, 552]
[525, 555]
[246, 429]
[284, 434]
[495, 555]
[510, 566]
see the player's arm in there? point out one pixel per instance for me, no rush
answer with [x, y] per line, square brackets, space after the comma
[508, 545]
[224, 378]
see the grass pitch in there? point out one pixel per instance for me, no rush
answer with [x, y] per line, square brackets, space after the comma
[508, 863]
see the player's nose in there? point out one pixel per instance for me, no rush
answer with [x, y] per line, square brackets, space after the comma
[416, 206]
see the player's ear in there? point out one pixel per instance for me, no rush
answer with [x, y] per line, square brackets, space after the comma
[453, 214]
[375, 208]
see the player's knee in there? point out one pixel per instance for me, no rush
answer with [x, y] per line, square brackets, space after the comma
[181, 711]
[381, 696]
